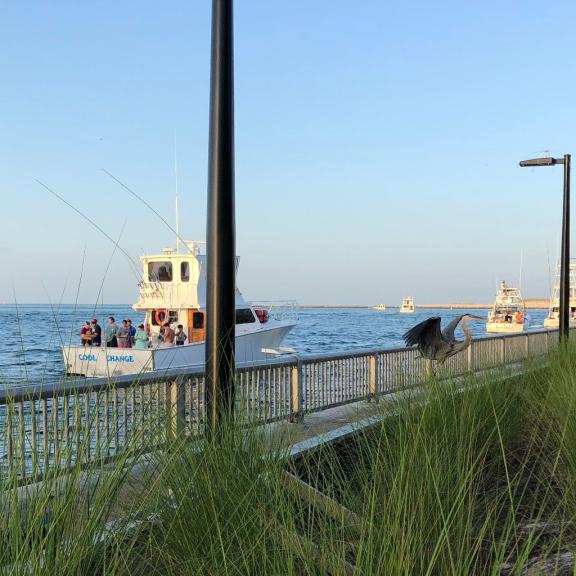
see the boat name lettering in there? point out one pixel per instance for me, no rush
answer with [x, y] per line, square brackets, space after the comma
[112, 358]
[87, 357]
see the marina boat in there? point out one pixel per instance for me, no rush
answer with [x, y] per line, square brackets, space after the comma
[173, 290]
[553, 318]
[380, 307]
[508, 314]
[407, 306]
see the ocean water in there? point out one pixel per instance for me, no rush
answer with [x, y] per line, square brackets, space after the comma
[31, 335]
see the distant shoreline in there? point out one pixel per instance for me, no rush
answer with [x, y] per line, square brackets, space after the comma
[538, 303]
[534, 303]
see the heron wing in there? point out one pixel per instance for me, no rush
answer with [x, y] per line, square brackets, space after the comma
[448, 332]
[425, 334]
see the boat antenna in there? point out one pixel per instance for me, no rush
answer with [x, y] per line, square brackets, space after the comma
[149, 207]
[176, 190]
[115, 242]
[549, 272]
[520, 278]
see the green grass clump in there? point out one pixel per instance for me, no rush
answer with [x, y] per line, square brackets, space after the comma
[465, 477]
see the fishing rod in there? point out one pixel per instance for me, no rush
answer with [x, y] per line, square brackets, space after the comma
[150, 208]
[135, 268]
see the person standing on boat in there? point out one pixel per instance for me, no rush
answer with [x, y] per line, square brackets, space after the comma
[85, 334]
[96, 333]
[180, 336]
[132, 332]
[141, 338]
[169, 335]
[123, 335]
[110, 332]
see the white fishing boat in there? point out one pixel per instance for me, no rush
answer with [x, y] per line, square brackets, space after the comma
[407, 306]
[553, 318]
[173, 290]
[380, 307]
[508, 314]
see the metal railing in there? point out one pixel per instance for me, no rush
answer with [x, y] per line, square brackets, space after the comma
[46, 429]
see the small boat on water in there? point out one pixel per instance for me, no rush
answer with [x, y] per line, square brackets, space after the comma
[508, 314]
[553, 318]
[173, 290]
[380, 307]
[407, 306]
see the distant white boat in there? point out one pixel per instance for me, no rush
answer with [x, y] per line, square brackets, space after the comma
[380, 307]
[508, 314]
[407, 306]
[553, 318]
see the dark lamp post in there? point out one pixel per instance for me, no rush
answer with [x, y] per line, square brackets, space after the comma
[565, 256]
[221, 229]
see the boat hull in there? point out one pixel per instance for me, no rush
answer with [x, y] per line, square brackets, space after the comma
[504, 328]
[95, 361]
[555, 323]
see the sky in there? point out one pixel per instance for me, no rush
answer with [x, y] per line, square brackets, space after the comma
[377, 145]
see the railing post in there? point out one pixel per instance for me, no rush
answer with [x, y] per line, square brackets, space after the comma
[527, 346]
[296, 393]
[373, 378]
[503, 350]
[470, 358]
[176, 400]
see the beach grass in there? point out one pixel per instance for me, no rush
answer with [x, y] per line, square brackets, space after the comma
[471, 476]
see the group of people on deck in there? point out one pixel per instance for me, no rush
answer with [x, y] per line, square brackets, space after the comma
[126, 335]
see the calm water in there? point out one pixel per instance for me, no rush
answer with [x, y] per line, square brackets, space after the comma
[31, 335]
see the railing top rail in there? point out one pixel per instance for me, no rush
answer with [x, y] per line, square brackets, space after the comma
[79, 385]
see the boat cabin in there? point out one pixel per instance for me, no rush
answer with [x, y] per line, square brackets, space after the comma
[173, 290]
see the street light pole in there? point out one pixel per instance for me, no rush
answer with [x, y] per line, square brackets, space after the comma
[221, 227]
[564, 331]
[565, 264]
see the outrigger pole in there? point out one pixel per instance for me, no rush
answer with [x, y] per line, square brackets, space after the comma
[221, 230]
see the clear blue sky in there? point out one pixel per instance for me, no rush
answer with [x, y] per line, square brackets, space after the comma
[377, 144]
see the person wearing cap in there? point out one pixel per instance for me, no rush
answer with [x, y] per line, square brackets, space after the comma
[96, 333]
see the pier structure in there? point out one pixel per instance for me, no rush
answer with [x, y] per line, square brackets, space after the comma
[46, 429]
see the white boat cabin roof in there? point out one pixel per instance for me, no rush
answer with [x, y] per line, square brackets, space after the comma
[176, 280]
[508, 296]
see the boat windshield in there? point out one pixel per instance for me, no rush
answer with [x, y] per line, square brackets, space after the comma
[160, 271]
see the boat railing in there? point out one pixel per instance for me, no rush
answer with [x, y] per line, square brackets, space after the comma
[284, 310]
[50, 428]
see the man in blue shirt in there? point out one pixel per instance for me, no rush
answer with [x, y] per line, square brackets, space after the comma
[132, 332]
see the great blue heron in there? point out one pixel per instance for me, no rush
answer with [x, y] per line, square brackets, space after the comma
[438, 345]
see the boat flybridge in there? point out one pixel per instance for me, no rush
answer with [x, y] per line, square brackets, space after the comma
[173, 290]
[553, 318]
[508, 314]
[407, 306]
